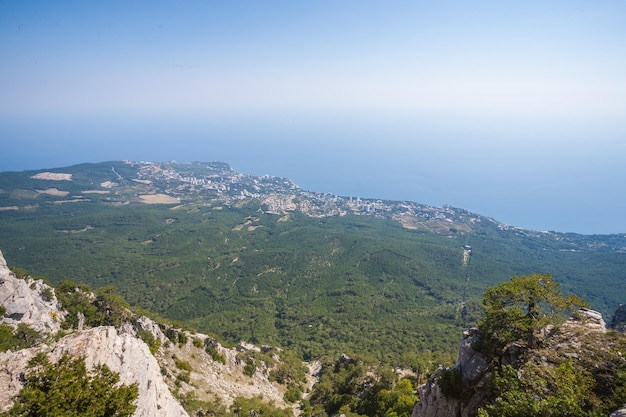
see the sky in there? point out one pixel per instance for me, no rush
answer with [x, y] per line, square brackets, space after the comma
[513, 110]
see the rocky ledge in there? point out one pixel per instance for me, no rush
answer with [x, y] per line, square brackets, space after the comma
[33, 303]
[28, 301]
[572, 340]
[122, 353]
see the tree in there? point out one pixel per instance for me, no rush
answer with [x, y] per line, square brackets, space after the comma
[67, 389]
[515, 311]
[546, 381]
[397, 402]
[19, 338]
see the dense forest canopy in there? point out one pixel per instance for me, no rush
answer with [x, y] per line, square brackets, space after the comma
[258, 259]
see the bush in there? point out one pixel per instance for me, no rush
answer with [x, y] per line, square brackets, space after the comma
[47, 294]
[67, 389]
[182, 365]
[153, 343]
[293, 394]
[183, 377]
[18, 338]
[256, 406]
[215, 355]
[451, 383]
[290, 370]
[250, 368]
[104, 308]
[182, 339]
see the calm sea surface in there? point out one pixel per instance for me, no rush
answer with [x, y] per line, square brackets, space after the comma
[544, 189]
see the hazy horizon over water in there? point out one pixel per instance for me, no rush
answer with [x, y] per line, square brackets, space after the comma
[569, 185]
[513, 110]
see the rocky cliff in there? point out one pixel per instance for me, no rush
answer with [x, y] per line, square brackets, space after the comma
[28, 301]
[618, 322]
[159, 376]
[33, 303]
[122, 353]
[473, 368]
[580, 338]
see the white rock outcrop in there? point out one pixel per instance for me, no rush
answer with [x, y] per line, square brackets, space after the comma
[131, 358]
[122, 353]
[28, 301]
[33, 303]
[473, 368]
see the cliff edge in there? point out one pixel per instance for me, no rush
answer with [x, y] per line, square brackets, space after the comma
[33, 303]
[169, 365]
[460, 391]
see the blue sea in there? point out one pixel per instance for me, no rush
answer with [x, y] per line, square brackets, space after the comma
[560, 183]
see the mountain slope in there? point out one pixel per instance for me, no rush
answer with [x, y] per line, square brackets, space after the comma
[259, 259]
[167, 372]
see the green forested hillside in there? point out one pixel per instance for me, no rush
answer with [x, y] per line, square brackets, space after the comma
[320, 285]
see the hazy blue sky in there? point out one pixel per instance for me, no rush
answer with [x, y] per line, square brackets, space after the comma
[515, 110]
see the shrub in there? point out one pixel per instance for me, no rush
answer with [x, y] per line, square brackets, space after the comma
[47, 294]
[256, 406]
[182, 365]
[183, 377]
[67, 389]
[215, 355]
[153, 343]
[250, 368]
[293, 394]
[451, 383]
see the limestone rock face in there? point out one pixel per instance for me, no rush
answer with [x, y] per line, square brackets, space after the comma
[28, 301]
[472, 367]
[33, 303]
[122, 353]
[590, 318]
[474, 370]
[131, 358]
[619, 413]
[12, 365]
[618, 322]
[433, 403]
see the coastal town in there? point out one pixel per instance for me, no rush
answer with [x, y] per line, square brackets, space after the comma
[280, 196]
[217, 184]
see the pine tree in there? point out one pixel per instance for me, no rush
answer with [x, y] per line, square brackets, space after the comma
[515, 311]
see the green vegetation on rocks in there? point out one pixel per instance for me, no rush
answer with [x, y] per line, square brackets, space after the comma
[562, 369]
[67, 389]
[518, 310]
[17, 338]
[358, 386]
